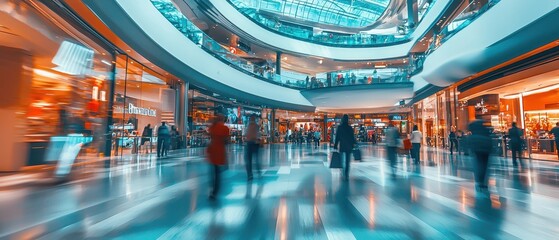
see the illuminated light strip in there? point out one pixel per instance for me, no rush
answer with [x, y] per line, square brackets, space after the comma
[541, 90]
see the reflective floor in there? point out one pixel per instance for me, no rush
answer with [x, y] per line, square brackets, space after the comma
[296, 197]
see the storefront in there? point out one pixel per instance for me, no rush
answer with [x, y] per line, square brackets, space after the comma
[436, 116]
[204, 108]
[143, 100]
[291, 124]
[56, 81]
[371, 127]
[533, 103]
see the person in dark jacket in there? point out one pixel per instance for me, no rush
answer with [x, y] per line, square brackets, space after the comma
[453, 140]
[147, 134]
[515, 143]
[480, 144]
[346, 140]
[163, 139]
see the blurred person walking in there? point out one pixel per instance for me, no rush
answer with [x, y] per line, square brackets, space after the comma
[346, 140]
[555, 132]
[480, 145]
[515, 143]
[392, 142]
[416, 137]
[163, 139]
[317, 136]
[453, 141]
[219, 137]
[252, 138]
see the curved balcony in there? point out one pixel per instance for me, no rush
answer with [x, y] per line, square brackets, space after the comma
[196, 35]
[484, 36]
[143, 27]
[225, 13]
[252, 10]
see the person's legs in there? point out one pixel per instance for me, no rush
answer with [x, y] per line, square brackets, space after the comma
[347, 163]
[481, 170]
[514, 151]
[166, 143]
[216, 181]
[248, 160]
[415, 151]
[451, 147]
[256, 156]
[557, 146]
[392, 156]
[159, 145]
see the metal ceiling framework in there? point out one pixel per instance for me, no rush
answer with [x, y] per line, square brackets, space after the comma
[342, 13]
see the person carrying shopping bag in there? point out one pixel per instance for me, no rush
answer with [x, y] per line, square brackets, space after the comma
[345, 139]
[416, 138]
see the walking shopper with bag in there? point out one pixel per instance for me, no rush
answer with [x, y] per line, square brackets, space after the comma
[252, 136]
[346, 140]
[416, 138]
[219, 137]
[480, 145]
[453, 141]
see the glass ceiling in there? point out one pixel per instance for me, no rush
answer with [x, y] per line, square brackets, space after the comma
[344, 13]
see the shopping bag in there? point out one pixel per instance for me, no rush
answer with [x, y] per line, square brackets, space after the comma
[357, 154]
[336, 161]
[407, 144]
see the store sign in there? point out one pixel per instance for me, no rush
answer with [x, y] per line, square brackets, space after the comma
[141, 111]
[481, 107]
[485, 105]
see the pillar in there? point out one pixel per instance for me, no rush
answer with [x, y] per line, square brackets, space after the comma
[183, 108]
[15, 65]
[412, 13]
[110, 111]
[273, 126]
[278, 63]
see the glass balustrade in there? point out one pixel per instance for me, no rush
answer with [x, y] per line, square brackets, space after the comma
[266, 72]
[460, 21]
[249, 9]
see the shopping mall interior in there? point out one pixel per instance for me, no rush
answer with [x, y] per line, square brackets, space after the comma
[279, 119]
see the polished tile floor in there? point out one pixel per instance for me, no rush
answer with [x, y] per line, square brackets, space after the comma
[296, 197]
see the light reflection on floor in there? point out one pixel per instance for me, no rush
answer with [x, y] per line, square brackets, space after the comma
[297, 197]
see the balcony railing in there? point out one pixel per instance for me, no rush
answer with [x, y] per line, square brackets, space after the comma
[266, 73]
[330, 38]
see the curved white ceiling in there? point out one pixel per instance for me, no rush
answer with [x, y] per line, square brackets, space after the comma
[289, 44]
[360, 98]
[148, 32]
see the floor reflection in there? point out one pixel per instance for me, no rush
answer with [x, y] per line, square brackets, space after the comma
[297, 197]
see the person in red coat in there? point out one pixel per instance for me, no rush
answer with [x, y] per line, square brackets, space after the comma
[219, 137]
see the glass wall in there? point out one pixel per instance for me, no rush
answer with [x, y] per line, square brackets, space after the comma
[57, 84]
[436, 116]
[142, 101]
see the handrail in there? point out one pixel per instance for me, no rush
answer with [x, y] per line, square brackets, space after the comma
[266, 73]
[333, 39]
